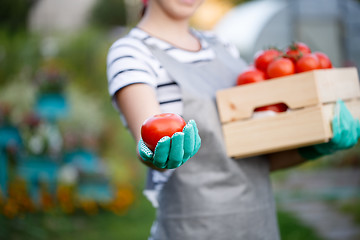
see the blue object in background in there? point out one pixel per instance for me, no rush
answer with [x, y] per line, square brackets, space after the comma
[9, 136]
[51, 106]
[85, 160]
[98, 191]
[36, 170]
[94, 184]
[3, 173]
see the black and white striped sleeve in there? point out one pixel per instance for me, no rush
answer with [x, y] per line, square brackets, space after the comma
[129, 62]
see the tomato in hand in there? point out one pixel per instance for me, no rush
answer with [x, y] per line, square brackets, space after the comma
[264, 57]
[160, 125]
[297, 50]
[307, 63]
[280, 107]
[251, 75]
[280, 67]
[324, 60]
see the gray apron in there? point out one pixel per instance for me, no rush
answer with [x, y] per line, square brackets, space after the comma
[213, 196]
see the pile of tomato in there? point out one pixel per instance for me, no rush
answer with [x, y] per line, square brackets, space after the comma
[273, 63]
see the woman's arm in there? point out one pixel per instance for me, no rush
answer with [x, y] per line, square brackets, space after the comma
[285, 159]
[137, 102]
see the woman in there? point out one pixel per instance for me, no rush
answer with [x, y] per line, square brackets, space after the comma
[163, 65]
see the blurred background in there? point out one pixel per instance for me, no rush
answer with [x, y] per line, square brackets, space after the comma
[67, 165]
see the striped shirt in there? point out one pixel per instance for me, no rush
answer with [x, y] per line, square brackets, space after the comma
[129, 61]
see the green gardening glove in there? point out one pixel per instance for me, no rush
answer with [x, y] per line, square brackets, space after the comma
[175, 151]
[346, 132]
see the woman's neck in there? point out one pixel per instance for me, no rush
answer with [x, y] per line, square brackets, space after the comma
[173, 31]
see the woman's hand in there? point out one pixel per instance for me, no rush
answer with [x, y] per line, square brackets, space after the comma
[346, 133]
[175, 151]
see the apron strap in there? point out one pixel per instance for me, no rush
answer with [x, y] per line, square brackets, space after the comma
[237, 64]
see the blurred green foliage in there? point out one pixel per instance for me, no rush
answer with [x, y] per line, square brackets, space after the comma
[19, 52]
[352, 208]
[57, 225]
[14, 14]
[83, 56]
[292, 228]
[109, 13]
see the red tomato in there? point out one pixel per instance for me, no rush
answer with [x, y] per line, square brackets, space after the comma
[264, 57]
[297, 50]
[280, 67]
[160, 125]
[307, 63]
[325, 61]
[280, 107]
[250, 75]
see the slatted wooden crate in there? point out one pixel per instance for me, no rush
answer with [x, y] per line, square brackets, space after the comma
[310, 96]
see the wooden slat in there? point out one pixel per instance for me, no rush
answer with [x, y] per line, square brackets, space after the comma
[239, 102]
[337, 83]
[283, 131]
[298, 90]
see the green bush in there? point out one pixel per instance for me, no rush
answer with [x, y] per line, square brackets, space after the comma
[84, 57]
[134, 224]
[292, 228]
[109, 13]
[19, 53]
[352, 208]
[14, 14]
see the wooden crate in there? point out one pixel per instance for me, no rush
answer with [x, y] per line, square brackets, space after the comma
[310, 96]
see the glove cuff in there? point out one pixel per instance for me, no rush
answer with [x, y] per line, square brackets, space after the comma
[309, 153]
